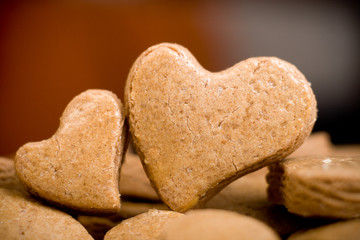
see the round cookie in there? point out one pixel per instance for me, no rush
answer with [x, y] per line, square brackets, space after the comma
[78, 167]
[317, 186]
[213, 224]
[337, 231]
[197, 131]
[23, 218]
[149, 225]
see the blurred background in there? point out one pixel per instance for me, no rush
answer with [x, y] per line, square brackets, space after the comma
[50, 51]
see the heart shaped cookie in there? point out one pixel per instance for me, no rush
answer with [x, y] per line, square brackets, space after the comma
[196, 131]
[78, 167]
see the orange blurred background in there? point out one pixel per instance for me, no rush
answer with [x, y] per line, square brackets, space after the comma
[50, 51]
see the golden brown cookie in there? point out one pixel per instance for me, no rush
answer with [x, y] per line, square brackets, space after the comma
[197, 131]
[317, 186]
[23, 218]
[78, 167]
[133, 179]
[218, 224]
[149, 225]
[337, 231]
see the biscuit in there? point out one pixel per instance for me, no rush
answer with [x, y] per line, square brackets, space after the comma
[133, 180]
[23, 218]
[149, 225]
[218, 224]
[197, 131]
[78, 167]
[317, 186]
[337, 231]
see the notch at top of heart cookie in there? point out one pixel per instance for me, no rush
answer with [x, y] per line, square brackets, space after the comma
[78, 167]
[196, 131]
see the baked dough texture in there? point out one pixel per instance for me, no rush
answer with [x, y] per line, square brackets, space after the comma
[21, 217]
[78, 167]
[214, 224]
[197, 131]
[148, 225]
[317, 186]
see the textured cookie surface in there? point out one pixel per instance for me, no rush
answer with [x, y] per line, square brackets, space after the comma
[214, 224]
[149, 225]
[337, 231]
[196, 131]
[23, 218]
[78, 167]
[317, 186]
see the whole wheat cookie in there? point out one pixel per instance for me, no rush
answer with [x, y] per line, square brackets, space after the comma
[317, 186]
[149, 225]
[218, 224]
[21, 217]
[197, 131]
[78, 167]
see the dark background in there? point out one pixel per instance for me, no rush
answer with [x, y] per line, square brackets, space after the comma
[50, 51]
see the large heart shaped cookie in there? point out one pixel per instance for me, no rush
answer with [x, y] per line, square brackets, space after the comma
[78, 167]
[197, 131]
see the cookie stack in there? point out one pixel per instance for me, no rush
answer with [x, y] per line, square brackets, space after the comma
[203, 140]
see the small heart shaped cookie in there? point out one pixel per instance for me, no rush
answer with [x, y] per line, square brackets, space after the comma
[197, 131]
[78, 167]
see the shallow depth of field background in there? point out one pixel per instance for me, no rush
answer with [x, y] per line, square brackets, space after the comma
[50, 51]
